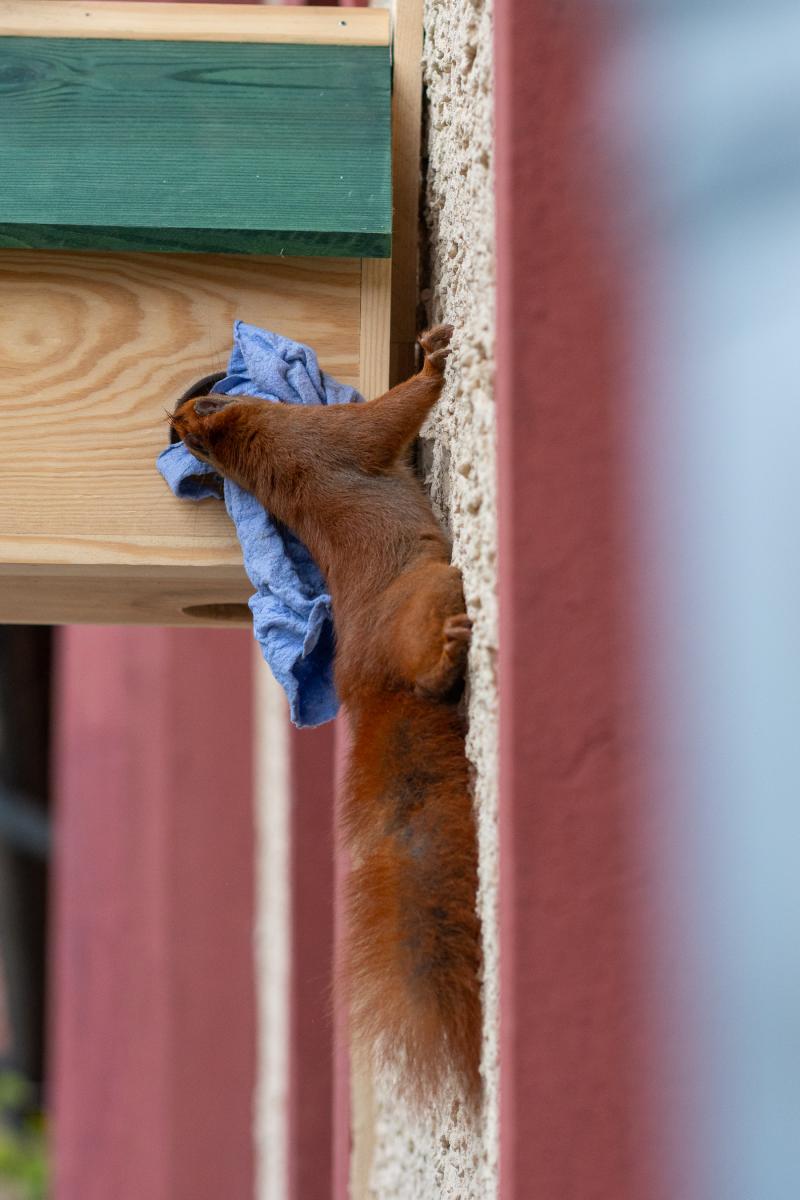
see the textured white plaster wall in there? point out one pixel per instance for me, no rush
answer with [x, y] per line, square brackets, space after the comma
[443, 1155]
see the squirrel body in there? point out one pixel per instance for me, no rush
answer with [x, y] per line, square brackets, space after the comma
[338, 477]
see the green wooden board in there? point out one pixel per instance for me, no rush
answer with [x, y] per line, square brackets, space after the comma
[197, 146]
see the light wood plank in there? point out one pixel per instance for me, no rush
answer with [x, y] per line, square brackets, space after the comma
[376, 278]
[93, 348]
[214, 595]
[195, 22]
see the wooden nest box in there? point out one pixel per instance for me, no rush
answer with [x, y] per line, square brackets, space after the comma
[167, 168]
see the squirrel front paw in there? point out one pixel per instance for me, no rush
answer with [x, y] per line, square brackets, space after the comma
[435, 343]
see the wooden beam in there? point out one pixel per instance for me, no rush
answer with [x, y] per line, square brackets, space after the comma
[376, 278]
[194, 22]
[47, 594]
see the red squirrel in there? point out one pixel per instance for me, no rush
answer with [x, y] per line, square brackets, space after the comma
[339, 478]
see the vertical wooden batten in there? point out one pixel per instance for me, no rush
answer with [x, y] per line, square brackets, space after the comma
[376, 277]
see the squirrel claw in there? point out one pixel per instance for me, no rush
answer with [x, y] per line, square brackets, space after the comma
[458, 629]
[436, 344]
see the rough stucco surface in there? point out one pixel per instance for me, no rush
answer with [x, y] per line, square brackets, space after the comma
[443, 1155]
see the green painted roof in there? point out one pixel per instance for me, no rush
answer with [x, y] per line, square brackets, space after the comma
[217, 147]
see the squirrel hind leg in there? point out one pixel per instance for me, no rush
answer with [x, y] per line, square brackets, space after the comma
[428, 632]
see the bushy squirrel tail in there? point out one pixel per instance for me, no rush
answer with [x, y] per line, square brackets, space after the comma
[412, 963]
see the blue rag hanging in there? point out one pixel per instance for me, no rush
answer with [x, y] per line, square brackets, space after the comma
[291, 607]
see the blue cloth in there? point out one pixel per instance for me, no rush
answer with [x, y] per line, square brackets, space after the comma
[291, 607]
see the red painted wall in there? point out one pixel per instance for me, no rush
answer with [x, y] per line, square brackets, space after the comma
[153, 1024]
[575, 1102]
[341, 1134]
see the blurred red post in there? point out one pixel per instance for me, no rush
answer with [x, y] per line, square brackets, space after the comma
[310, 1113]
[153, 1015]
[576, 1077]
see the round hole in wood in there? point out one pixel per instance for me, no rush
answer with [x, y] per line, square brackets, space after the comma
[217, 612]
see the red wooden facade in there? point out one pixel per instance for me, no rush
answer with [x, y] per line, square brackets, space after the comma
[578, 1116]
[153, 1014]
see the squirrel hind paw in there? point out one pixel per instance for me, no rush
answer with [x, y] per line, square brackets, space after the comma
[446, 679]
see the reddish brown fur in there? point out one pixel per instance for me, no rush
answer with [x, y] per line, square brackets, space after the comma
[338, 477]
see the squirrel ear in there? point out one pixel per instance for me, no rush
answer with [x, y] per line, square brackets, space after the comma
[207, 405]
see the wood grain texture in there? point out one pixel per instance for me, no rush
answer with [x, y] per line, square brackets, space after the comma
[194, 22]
[194, 241]
[42, 594]
[93, 348]
[376, 279]
[195, 146]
